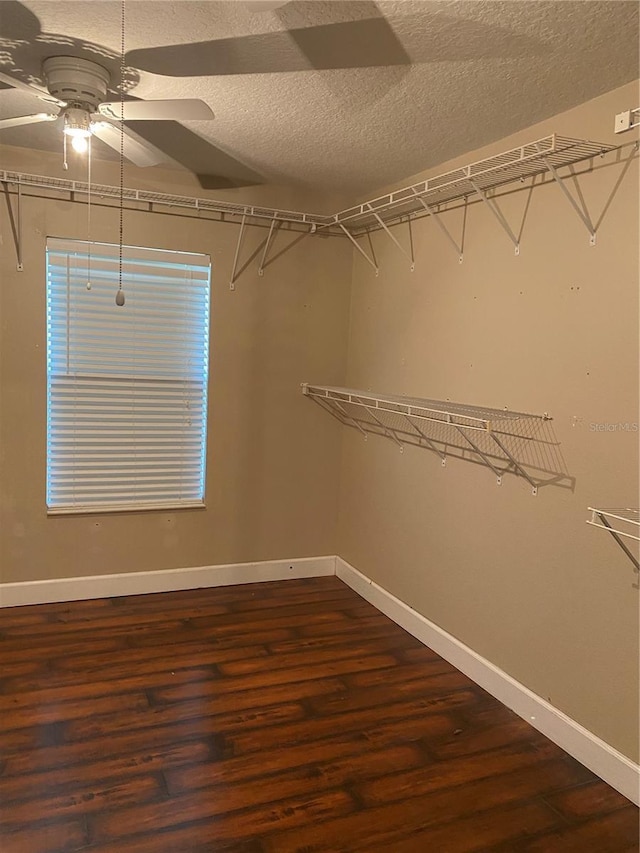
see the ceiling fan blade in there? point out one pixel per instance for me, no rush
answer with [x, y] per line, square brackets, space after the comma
[178, 109]
[214, 168]
[140, 153]
[32, 119]
[33, 90]
[349, 44]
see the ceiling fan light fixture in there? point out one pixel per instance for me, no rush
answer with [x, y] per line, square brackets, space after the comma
[77, 123]
[79, 87]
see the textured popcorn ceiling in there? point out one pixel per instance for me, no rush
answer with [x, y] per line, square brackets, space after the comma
[478, 71]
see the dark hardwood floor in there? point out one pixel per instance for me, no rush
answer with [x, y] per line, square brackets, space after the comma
[286, 717]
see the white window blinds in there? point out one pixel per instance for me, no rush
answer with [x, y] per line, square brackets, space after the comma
[126, 386]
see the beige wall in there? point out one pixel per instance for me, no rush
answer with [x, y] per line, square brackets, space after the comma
[272, 473]
[521, 579]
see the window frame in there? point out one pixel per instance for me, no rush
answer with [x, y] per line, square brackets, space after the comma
[85, 250]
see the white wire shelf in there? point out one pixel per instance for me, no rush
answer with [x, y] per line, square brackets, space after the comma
[618, 522]
[517, 163]
[624, 522]
[500, 439]
[525, 161]
[233, 211]
[441, 411]
[428, 197]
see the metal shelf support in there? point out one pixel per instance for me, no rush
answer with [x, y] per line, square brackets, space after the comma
[15, 222]
[436, 216]
[274, 225]
[515, 464]
[391, 433]
[19, 265]
[413, 254]
[582, 213]
[607, 518]
[397, 242]
[234, 277]
[372, 248]
[360, 249]
[625, 167]
[427, 440]
[482, 455]
[499, 215]
[347, 418]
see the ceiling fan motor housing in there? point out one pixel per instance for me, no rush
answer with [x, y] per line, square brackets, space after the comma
[79, 82]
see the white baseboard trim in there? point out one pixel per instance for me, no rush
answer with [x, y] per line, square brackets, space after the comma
[164, 580]
[609, 764]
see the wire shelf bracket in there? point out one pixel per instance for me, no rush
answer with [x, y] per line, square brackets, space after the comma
[581, 211]
[619, 523]
[19, 264]
[436, 217]
[15, 221]
[499, 215]
[360, 249]
[275, 225]
[390, 235]
[234, 273]
[491, 435]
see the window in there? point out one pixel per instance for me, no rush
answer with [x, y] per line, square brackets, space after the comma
[126, 386]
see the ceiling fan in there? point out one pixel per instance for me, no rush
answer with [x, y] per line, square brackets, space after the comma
[78, 87]
[153, 131]
[316, 37]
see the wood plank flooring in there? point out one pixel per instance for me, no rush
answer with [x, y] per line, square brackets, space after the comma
[287, 717]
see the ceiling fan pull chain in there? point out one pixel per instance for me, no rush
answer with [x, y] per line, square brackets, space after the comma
[120, 293]
[89, 213]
